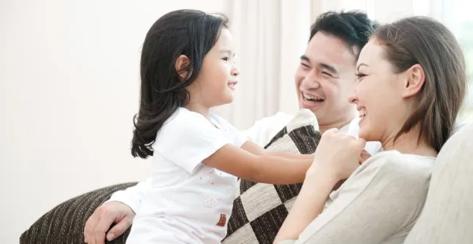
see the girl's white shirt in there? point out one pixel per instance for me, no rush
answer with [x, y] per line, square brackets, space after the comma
[187, 200]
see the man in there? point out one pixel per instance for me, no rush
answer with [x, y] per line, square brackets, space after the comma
[324, 80]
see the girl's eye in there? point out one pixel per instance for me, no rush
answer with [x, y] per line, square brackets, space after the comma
[225, 58]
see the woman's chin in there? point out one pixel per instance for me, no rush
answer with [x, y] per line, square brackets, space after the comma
[365, 134]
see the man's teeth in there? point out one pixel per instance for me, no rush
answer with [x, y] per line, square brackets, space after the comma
[312, 99]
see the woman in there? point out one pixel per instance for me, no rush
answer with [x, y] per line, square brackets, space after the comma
[411, 85]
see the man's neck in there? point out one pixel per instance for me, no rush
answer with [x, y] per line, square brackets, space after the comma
[338, 124]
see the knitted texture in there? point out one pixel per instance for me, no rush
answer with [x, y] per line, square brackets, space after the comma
[260, 209]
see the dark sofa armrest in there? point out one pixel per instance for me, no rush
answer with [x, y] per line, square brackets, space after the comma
[65, 222]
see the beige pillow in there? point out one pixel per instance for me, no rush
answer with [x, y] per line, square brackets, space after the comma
[447, 216]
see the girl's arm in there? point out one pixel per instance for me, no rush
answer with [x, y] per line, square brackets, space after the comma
[258, 150]
[262, 167]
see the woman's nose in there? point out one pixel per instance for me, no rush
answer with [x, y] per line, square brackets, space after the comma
[353, 98]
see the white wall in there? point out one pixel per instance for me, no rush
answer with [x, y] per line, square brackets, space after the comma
[69, 82]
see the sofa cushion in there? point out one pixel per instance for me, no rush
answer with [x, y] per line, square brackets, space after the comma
[65, 223]
[447, 215]
[260, 209]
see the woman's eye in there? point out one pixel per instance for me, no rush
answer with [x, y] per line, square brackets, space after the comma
[360, 76]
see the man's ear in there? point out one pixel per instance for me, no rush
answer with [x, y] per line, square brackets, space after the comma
[415, 79]
[182, 66]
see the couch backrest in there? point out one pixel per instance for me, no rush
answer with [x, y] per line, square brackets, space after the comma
[447, 216]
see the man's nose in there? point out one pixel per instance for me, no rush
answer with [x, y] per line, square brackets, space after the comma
[310, 81]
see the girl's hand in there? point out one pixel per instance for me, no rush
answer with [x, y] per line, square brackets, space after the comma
[337, 156]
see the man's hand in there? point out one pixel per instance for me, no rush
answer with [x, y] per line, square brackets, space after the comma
[99, 223]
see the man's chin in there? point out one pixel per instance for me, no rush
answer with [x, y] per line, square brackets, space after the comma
[312, 107]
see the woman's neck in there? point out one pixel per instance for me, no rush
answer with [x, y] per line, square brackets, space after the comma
[410, 143]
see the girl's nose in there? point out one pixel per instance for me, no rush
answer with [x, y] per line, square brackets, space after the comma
[235, 71]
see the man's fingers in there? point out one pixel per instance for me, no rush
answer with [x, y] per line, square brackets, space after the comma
[97, 234]
[105, 220]
[89, 226]
[97, 225]
[118, 229]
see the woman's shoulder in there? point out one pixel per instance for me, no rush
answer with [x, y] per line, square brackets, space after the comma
[393, 164]
[393, 157]
[393, 175]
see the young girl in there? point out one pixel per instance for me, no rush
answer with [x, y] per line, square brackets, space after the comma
[186, 68]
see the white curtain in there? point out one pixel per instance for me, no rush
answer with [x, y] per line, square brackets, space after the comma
[270, 36]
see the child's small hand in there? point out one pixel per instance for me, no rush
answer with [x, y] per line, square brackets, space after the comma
[337, 155]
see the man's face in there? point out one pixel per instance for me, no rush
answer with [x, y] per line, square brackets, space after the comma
[325, 79]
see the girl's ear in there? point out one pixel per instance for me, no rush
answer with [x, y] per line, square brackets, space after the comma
[414, 82]
[182, 66]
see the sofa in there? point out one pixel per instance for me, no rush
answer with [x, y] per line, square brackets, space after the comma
[447, 215]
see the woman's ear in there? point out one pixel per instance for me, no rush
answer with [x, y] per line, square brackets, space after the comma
[182, 66]
[415, 79]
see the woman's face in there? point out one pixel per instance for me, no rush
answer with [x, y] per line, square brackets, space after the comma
[377, 95]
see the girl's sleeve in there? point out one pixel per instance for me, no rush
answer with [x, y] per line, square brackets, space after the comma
[189, 139]
[379, 203]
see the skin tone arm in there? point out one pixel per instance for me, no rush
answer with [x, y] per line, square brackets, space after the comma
[260, 166]
[332, 163]
[258, 150]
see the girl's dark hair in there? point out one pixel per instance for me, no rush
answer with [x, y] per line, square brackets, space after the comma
[183, 32]
[424, 41]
